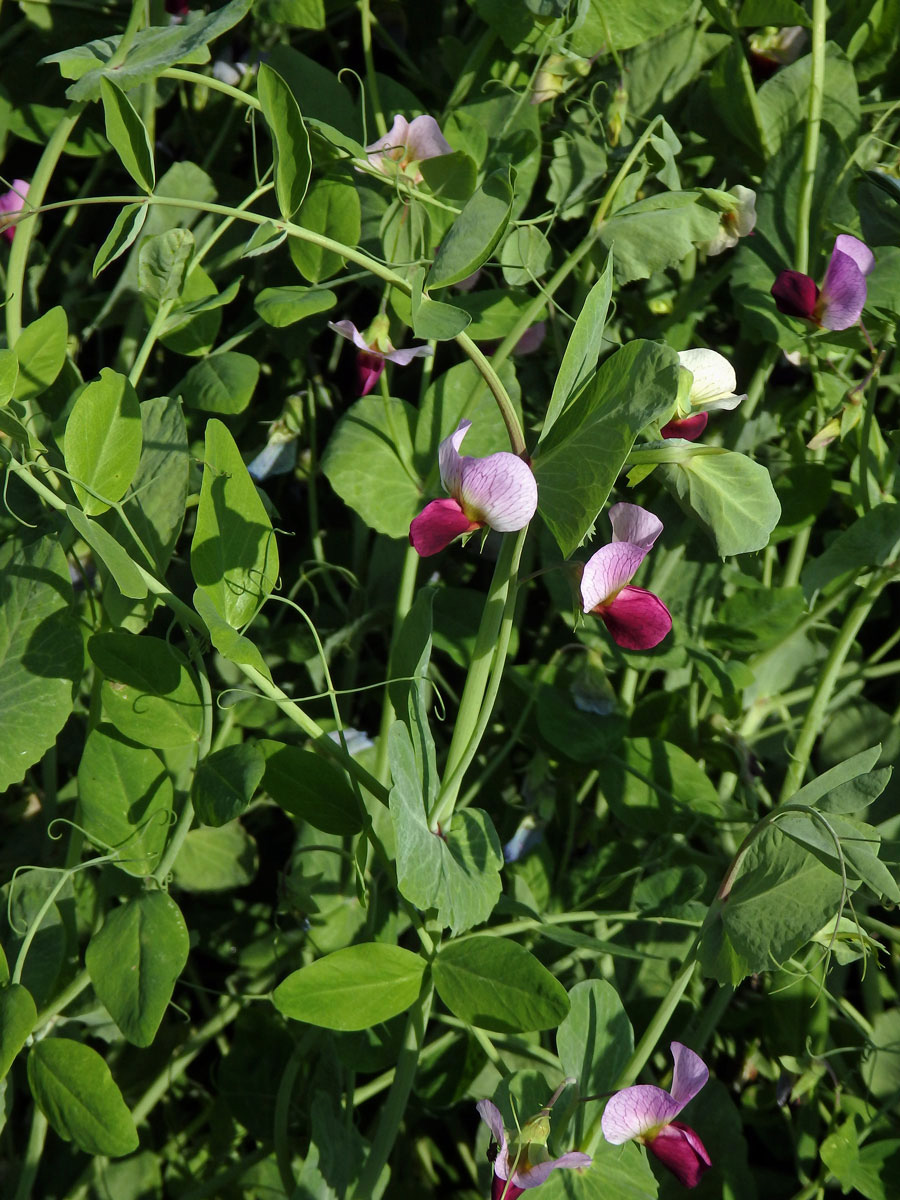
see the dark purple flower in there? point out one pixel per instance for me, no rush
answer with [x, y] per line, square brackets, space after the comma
[842, 297]
[647, 1114]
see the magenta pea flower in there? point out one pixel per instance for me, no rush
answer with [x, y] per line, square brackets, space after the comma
[407, 143]
[523, 1161]
[647, 1114]
[842, 297]
[635, 618]
[375, 348]
[499, 492]
[11, 203]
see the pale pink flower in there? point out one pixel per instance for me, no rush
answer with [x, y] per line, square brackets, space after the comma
[737, 221]
[713, 384]
[647, 1114]
[499, 492]
[526, 1163]
[407, 143]
[635, 618]
[11, 203]
[375, 348]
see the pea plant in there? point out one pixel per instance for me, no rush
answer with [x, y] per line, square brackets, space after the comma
[449, 518]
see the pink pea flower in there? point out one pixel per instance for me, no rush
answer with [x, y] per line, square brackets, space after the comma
[713, 384]
[635, 618]
[407, 143]
[375, 348]
[12, 202]
[647, 1114]
[498, 491]
[525, 1162]
[842, 298]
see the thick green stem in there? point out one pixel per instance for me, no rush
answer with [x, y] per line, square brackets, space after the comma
[815, 714]
[479, 673]
[811, 141]
[488, 370]
[33, 1152]
[405, 593]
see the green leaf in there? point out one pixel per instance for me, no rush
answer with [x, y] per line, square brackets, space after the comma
[216, 860]
[365, 465]
[783, 98]
[475, 233]
[128, 135]
[226, 782]
[434, 320]
[41, 653]
[755, 13]
[594, 1043]
[126, 227]
[292, 162]
[354, 988]
[616, 1173]
[149, 693]
[454, 871]
[103, 441]
[656, 232]
[859, 845]
[134, 961]
[621, 24]
[73, 1088]
[126, 800]
[308, 787]
[731, 495]
[843, 788]
[581, 459]
[41, 351]
[451, 177]
[162, 262]
[17, 1019]
[331, 208]
[525, 256]
[151, 52]
[304, 14]
[234, 556]
[9, 373]
[871, 541]
[283, 306]
[782, 896]
[457, 393]
[656, 782]
[116, 560]
[494, 983]
[582, 349]
[28, 910]
[229, 643]
[223, 383]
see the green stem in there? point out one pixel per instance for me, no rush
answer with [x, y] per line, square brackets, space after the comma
[156, 327]
[811, 141]
[211, 82]
[828, 678]
[35, 925]
[488, 371]
[405, 593]
[483, 677]
[371, 78]
[65, 997]
[280, 1134]
[33, 1152]
[394, 1107]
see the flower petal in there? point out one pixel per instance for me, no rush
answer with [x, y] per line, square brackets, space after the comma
[404, 357]
[425, 140]
[631, 523]
[369, 367]
[691, 1073]
[795, 295]
[608, 571]
[450, 460]
[538, 1174]
[503, 1188]
[392, 146]
[714, 378]
[636, 1111]
[493, 1118]
[636, 619]
[679, 1149]
[348, 330]
[745, 213]
[12, 202]
[437, 525]
[688, 428]
[499, 491]
[843, 294]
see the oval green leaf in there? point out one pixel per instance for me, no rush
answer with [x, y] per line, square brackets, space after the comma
[41, 351]
[496, 984]
[307, 786]
[128, 135]
[134, 961]
[226, 781]
[282, 306]
[103, 441]
[331, 208]
[149, 693]
[353, 988]
[73, 1088]
[17, 1017]
[290, 138]
[223, 383]
[9, 373]
[475, 232]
